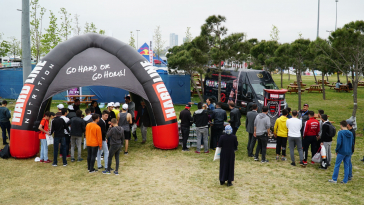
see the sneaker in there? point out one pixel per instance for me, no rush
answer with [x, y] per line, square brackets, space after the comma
[116, 173]
[41, 160]
[80, 159]
[186, 150]
[106, 172]
[92, 171]
[100, 167]
[283, 159]
[55, 165]
[264, 161]
[47, 161]
[229, 184]
[322, 167]
[293, 164]
[312, 162]
[68, 156]
[206, 152]
[72, 159]
[125, 153]
[277, 157]
[305, 162]
[349, 179]
[332, 181]
[302, 164]
[144, 141]
[342, 182]
[256, 159]
[64, 165]
[197, 152]
[328, 165]
[135, 139]
[251, 155]
[201, 146]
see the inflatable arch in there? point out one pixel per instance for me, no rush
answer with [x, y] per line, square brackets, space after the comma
[91, 59]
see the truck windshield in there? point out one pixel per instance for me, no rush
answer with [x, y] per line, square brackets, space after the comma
[259, 88]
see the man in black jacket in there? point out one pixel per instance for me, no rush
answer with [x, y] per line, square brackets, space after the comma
[219, 116]
[58, 128]
[304, 116]
[325, 139]
[77, 130]
[186, 121]
[103, 126]
[144, 120]
[200, 118]
[235, 117]
[250, 120]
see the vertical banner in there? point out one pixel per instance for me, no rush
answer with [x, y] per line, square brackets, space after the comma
[151, 53]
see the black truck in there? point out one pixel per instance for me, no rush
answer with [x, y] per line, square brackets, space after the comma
[243, 87]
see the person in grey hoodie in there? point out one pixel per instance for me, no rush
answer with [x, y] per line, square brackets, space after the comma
[116, 136]
[261, 130]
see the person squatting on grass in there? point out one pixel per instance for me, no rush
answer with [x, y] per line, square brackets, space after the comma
[281, 135]
[294, 126]
[103, 126]
[201, 120]
[345, 141]
[44, 129]
[261, 130]
[116, 135]
[93, 141]
[310, 133]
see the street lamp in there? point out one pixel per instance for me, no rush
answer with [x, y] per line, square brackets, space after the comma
[137, 39]
[336, 15]
[329, 33]
[318, 20]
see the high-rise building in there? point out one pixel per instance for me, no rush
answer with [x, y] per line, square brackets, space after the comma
[173, 40]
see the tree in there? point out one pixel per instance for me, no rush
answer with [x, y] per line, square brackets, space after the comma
[102, 32]
[14, 46]
[4, 47]
[93, 28]
[274, 34]
[132, 41]
[299, 53]
[158, 42]
[87, 28]
[77, 28]
[347, 43]
[36, 28]
[220, 47]
[264, 51]
[188, 36]
[52, 36]
[282, 59]
[65, 24]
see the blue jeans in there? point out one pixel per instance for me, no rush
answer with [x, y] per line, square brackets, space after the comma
[5, 126]
[234, 130]
[44, 150]
[106, 155]
[346, 161]
[56, 142]
[350, 168]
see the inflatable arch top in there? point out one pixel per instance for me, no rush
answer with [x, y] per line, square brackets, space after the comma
[85, 60]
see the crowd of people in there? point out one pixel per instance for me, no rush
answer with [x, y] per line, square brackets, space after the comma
[301, 129]
[105, 132]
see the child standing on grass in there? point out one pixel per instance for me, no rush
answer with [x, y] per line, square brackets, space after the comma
[44, 129]
[116, 136]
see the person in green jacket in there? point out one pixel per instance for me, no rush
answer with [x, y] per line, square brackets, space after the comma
[281, 135]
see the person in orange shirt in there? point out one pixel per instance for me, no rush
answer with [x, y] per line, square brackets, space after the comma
[44, 129]
[93, 141]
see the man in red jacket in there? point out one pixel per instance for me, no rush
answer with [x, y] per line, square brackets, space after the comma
[311, 130]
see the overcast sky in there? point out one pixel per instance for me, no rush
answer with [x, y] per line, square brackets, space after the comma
[255, 18]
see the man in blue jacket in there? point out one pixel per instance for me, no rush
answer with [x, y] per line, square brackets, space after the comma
[345, 140]
[5, 120]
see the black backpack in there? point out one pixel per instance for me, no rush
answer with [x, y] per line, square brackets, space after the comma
[5, 153]
[332, 130]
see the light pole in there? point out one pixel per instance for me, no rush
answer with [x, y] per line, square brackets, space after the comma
[25, 40]
[137, 39]
[336, 15]
[318, 20]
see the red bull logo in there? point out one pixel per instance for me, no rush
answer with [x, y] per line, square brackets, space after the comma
[144, 52]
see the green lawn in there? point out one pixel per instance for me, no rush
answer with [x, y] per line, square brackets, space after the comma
[153, 176]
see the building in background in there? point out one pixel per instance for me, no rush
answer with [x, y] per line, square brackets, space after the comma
[173, 40]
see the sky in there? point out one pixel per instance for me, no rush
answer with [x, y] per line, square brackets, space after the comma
[255, 18]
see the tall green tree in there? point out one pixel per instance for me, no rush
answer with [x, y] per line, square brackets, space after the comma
[4, 47]
[221, 47]
[282, 59]
[52, 36]
[66, 20]
[36, 14]
[132, 41]
[300, 55]
[264, 51]
[77, 28]
[158, 42]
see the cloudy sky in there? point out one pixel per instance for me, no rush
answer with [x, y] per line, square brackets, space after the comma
[255, 18]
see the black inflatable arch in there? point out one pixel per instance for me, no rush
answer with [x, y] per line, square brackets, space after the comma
[91, 59]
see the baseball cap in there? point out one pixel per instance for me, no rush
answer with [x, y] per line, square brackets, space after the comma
[350, 122]
[188, 106]
[306, 104]
[70, 107]
[117, 104]
[110, 104]
[60, 106]
[128, 97]
[125, 107]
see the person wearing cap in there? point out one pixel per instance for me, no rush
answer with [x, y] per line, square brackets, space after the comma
[186, 122]
[219, 116]
[303, 115]
[201, 120]
[326, 139]
[350, 124]
[59, 107]
[116, 109]
[71, 112]
[5, 116]
[144, 120]
[310, 134]
[345, 141]
[125, 119]
[111, 114]
[131, 109]
[228, 144]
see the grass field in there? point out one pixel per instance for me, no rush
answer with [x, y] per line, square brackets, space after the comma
[153, 176]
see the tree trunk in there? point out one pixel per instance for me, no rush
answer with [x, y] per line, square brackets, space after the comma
[282, 70]
[315, 78]
[299, 89]
[338, 76]
[323, 90]
[355, 97]
[327, 77]
[289, 74]
[353, 76]
[196, 87]
[219, 84]
[201, 82]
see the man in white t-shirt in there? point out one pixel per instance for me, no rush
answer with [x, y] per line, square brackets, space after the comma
[294, 126]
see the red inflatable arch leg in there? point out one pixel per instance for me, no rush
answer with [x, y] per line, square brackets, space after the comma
[162, 136]
[24, 143]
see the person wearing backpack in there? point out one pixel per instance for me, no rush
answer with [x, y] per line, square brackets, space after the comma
[328, 131]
